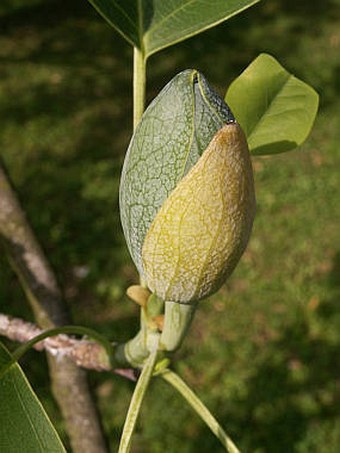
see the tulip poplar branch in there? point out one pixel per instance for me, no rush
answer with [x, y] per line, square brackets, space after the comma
[28, 260]
[84, 353]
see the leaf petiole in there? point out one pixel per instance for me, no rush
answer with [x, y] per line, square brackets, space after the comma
[194, 401]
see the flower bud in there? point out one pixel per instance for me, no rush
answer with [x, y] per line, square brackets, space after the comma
[187, 194]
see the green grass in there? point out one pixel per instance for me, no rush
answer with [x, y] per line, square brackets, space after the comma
[262, 353]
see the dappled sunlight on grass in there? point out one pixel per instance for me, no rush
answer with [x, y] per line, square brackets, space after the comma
[262, 351]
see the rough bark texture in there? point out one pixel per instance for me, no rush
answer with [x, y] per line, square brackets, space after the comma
[84, 353]
[69, 382]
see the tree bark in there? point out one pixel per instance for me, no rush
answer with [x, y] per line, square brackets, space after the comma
[84, 353]
[69, 383]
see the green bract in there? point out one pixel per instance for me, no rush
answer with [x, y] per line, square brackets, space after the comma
[202, 229]
[174, 131]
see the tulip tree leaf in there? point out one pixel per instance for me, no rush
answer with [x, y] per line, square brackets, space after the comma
[152, 25]
[172, 135]
[275, 109]
[24, 424]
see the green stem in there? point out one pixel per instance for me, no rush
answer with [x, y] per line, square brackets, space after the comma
[173, 379]
[134, 352]
[136, 401]
[139, 88]
[139, 85]
[177, 320]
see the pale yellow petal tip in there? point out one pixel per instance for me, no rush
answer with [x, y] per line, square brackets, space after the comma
[138, 294]
[202, 229]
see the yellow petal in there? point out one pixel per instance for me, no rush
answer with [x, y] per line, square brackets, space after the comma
[202, 229]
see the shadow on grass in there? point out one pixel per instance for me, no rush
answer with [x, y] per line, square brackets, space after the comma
[75, 122]
[294, 390]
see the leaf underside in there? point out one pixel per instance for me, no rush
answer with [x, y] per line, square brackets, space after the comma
[152, 25]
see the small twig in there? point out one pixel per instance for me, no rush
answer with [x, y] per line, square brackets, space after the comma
[84, 353]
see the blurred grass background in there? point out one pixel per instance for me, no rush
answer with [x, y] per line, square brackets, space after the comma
[263, 352]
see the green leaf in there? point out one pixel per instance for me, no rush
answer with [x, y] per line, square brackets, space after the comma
[152, 25]
[275, 109]
[174, 131]
[24, 425]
